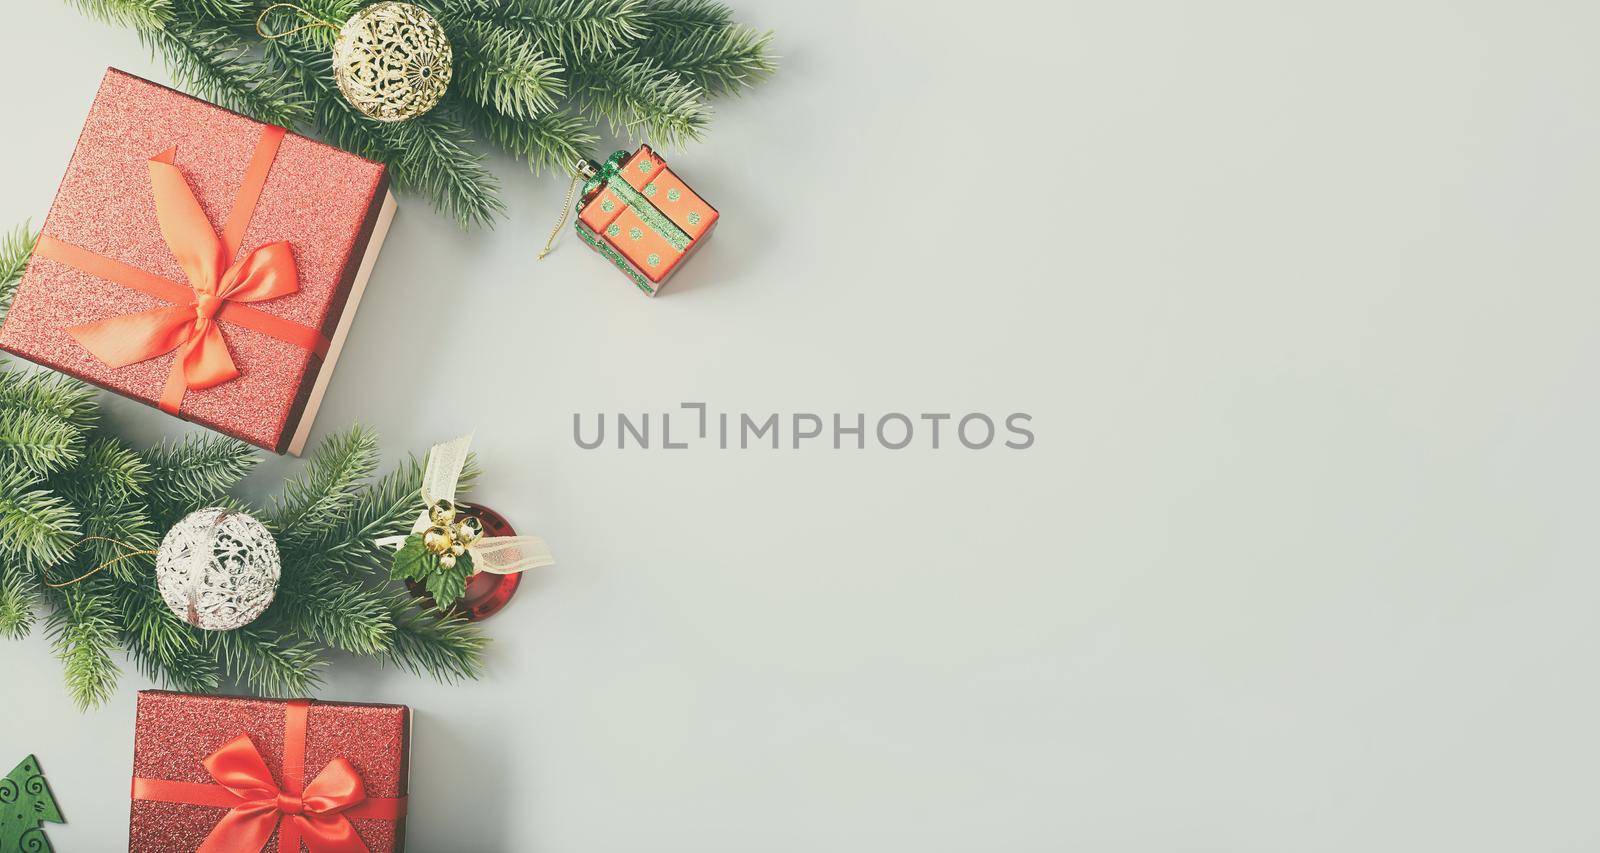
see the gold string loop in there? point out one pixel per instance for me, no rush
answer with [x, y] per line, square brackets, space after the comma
[583, 170]
[132, 551]
[315, 22]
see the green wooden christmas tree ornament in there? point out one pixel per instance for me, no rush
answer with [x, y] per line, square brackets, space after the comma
[25, 802]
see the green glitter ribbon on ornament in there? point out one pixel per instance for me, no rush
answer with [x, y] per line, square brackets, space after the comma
[609, 176]
[614, 257]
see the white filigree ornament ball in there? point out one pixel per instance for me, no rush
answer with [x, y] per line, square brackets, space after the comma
[392, 61]
[218, 569]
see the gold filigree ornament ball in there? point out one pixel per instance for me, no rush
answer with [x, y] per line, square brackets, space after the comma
[392, 61]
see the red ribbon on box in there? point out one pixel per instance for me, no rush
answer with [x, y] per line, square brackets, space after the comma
[217, 289]
[318, 814]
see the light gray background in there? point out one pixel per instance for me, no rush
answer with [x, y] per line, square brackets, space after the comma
[1301, 296]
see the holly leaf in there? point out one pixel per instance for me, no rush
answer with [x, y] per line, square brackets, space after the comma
[412, 561]
[447, 586]
[464, 565]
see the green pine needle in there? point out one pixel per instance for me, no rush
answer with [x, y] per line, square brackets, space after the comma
[142, 14]
[642, 99]
[447, 647]
[111, 471]
[342, 613]
[165, 648]
[196, 471]
[505, 70]
[720, 60]
[320, 498]
[16, 604]
[268, 662]
[552, 142]
[50, 394]
[665, 19]
[563, 28]
[33, 521]
[84, 632]
[37, 442]
[15, 249]
[214, 63]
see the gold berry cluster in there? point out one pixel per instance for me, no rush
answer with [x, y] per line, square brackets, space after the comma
[450, 536]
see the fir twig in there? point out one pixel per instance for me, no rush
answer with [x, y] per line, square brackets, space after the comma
[447, 647]
[664, 19]
[338, 611]
[214, 62]
[269, 662]
[34, 522]
[16, 603]
[319, 499]
[195, 472]
[38, 442]
[15, 249]
[642, 99]
[164, 647]
[505, 70]
[142, 14]
[720, 60]
[49, 394]
[566, 28]
[84, 631]
[552, 142]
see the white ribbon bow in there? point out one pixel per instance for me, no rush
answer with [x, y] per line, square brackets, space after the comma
[501, 555]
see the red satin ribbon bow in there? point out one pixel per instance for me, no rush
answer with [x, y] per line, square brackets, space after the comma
[203, 360]
[318, 815]
[218, 289]
[317, 812]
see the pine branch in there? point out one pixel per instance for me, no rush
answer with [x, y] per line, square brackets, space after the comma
[114, 531]
[447, 647]
[438, 164]
[111, 471]
[50, 394]
[554, 141]
[214, 63]
[564, 28]
[83, 628]
[38, 442]
[15, 250]
[221, 12]
[16, 603]
[319, 499]
[162, 645]
[339, 612]
[504, 70]
[640, 98]
[269, 662]
[720, 60]
[677, 18]
[142, 14]
[195, 472]
[33, 521]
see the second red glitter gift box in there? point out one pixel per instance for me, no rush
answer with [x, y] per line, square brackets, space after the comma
[202, 262]
[229, 773]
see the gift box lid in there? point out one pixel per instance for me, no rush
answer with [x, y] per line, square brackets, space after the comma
[323, 201]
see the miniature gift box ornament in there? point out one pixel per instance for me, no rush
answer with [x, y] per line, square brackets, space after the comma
[201, 262]
[640, 216]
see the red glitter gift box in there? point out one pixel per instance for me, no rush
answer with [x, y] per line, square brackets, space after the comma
[200, 261]
[234, 773]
